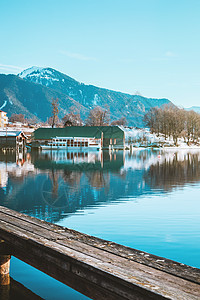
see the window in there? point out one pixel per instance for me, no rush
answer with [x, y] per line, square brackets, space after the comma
[115, 141]
[110, 141]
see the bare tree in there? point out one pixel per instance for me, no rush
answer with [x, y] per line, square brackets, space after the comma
[192, 125]
[32, 121]
[175, 122]
[122, 121]
[98, 116]
[73, 118]
[17, 118]
[54, 118]
[151, 119]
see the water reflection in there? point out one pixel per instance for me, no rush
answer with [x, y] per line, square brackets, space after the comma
[59, 187]
[53, 185]
[174, 169]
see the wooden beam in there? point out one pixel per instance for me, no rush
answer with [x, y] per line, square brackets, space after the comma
[4, 264]
[4, 271]
[97, 268]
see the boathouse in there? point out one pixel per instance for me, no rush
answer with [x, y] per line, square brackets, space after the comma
[107, 136]
[12, 139]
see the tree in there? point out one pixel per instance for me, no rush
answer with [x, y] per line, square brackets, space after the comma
[55, 111]
[98, 116]
[17, 118]
[122, 121]
[192, 125]
[151, 119]
[174, 122]
[73, 118]
[32, 121]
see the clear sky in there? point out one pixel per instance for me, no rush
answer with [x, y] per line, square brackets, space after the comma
[150, 46]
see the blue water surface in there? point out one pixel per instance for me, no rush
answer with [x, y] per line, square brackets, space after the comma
[148, 200]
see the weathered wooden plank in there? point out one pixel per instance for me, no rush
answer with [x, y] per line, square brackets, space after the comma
[72, 244]
[63, 265]
[31, 249]
[59, 261]
[166, 265]
[53, 250]
[143, 283]
[105, 256]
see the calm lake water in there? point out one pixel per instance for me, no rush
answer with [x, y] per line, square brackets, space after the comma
[148, 200]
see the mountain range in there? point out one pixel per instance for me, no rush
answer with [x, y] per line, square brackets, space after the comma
[195, 108]
[31, 93]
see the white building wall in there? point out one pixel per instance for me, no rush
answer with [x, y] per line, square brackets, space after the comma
[3, 119]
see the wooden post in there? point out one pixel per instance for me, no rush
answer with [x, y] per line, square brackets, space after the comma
[4, 271]
[4, 264]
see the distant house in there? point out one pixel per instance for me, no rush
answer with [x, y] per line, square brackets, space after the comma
[3, 119]
[12, 139]
[72, 137]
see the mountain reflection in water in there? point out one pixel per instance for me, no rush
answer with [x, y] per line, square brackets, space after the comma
[53, 185]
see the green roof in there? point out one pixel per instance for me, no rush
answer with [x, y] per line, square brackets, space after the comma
[79, 131]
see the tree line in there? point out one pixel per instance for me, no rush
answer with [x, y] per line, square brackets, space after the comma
[174, 122]
[97, 116]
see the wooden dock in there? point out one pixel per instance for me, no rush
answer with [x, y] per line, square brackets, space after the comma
[97, 268]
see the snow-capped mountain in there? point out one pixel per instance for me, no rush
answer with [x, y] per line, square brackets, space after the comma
[133, 107]
[44, 76]
[33, 100]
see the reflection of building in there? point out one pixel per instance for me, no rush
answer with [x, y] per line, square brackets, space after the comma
[3, 177]
[105, 136]
[15, 165]
[79, 161]
[3, 119]
[56, 190]
[72, 157]
[12, 139]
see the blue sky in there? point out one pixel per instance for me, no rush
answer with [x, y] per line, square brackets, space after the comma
[150, 46]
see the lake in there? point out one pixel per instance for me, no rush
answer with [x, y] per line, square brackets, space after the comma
[147, 199]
